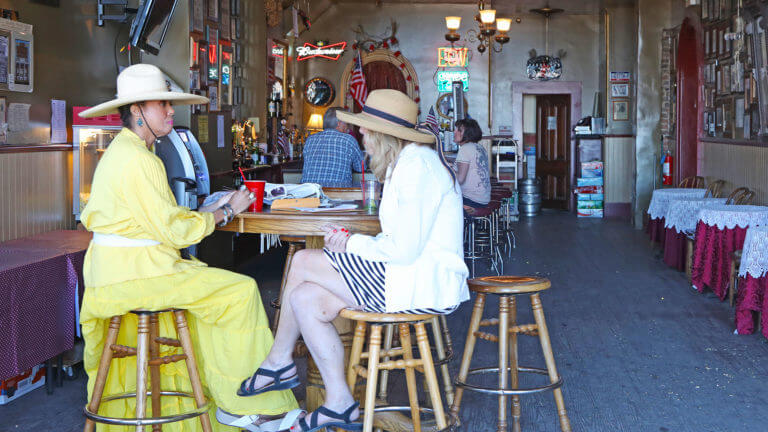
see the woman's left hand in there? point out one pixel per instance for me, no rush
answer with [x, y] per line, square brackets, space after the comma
[336, 237]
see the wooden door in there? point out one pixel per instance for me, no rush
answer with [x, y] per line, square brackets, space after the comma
[553, 155]
[688, 113]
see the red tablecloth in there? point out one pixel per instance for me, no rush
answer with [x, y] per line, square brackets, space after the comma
[655, 229]
[750, 298]
[39, 281]
[712, 257]
[674, 248]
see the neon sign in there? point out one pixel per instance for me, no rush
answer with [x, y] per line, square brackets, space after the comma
[451, 57]
[446, 78]
[330, 52]
[277, 51]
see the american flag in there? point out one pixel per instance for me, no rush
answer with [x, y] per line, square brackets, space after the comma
[282, 141]
[432, 119]
[357, 87]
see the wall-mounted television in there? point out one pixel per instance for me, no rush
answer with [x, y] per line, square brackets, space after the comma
[151, 23]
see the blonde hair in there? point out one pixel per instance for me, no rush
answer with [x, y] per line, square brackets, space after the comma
[384, 151]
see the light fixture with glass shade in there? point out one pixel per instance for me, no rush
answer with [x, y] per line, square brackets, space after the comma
[485, 34]
[315, 123]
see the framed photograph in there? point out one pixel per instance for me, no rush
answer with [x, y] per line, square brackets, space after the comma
[225, 19]
[620, 90]
[213, 95]
[621, 110]
[194, 79]
[705, 9]
[213, 10]
[198, 16]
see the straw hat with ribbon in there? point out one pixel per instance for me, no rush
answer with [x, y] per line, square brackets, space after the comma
[138, 83]
[391, 112]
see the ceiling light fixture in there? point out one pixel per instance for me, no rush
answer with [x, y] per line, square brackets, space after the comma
[485, 35]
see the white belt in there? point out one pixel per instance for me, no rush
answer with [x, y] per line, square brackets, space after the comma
[114, 240]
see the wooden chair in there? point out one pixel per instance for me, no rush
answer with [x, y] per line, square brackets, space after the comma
[714, 189]
[375, 354]
[508, 288]
[348, 194]
[735, 264]
[747, 198]
[147, 352]
[692, 182]
[736, 195]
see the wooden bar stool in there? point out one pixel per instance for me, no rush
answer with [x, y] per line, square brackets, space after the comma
[407, 362]
[507, 288]
[295, 243]
[443, 354]
[147, 353]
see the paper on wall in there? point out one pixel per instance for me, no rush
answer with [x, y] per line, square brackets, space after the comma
[18, 117]
[58, 121]
[220, 131]
[202, 128]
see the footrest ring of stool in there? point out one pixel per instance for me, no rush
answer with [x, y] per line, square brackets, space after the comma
[453, 421]
[509, 392]
[148, 421]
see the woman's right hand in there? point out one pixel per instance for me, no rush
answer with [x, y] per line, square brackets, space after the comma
[240, 200]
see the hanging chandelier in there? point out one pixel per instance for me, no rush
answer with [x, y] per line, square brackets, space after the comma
[485, 35]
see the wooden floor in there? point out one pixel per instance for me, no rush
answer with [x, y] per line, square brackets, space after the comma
[638, 348]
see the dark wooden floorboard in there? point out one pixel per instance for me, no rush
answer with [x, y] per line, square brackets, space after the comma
[638, 348]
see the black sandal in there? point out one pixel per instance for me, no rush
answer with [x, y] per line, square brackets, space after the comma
[345, 423]
[278, 383]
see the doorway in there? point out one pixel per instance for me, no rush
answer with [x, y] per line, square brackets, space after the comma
[553, 152]
[689, 58]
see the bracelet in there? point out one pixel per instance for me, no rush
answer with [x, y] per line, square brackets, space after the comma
[228, 214]
[228, 208]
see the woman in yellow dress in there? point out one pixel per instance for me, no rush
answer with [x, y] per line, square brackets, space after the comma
[134, 262]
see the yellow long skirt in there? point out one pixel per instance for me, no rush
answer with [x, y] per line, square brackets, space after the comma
[230, 333]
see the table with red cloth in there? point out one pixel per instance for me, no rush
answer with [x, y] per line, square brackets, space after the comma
[40, 281]
[657, 210]
[720, 231]
[752, 296]
[680, 220]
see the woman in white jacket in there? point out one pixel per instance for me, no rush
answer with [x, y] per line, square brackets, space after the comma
[415, 265]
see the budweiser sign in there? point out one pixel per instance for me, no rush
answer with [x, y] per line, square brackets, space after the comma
[330, 52]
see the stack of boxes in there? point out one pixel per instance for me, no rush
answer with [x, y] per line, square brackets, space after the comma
[589, 190]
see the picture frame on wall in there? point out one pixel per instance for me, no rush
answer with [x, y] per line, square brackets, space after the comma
[705, 9]
[760, 61]
[213, 10]
[225, 19]
[619, 90]
[198, 16]
[620, 109]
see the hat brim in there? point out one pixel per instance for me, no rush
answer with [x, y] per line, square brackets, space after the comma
[110, 107]
[377, 124]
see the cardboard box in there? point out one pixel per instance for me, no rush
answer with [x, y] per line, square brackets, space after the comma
[589, 197]
[594, 181]
[589, 190]
[580, 205]
[15, 387]
[589, 213]
[591, 169]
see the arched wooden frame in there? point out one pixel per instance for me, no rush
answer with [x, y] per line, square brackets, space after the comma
[386, 56]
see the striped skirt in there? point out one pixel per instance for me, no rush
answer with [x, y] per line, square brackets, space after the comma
[365, 280]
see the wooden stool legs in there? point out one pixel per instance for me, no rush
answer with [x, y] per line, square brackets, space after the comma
[147, 354]
[508, 359]
[549, 358]
[292, 248]
[375, 353]
[154, 370]
[142, 359]
[469, 349]
[101, 374]
[194, 376]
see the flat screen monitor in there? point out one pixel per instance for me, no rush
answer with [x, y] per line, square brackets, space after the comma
[151, 24]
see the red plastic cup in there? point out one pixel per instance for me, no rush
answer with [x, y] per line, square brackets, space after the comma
[257, 187]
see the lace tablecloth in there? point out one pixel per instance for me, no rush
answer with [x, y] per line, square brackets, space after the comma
[754, 258]
[661, 199]
[752, 295]
[683, 214]
[730, 216]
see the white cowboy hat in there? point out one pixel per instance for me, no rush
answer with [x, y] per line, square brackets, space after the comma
[391, 112]
[138, 83]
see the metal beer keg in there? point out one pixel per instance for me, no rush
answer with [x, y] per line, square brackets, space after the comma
[530, 196]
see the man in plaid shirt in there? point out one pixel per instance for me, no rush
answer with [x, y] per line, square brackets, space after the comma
[331, 155]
